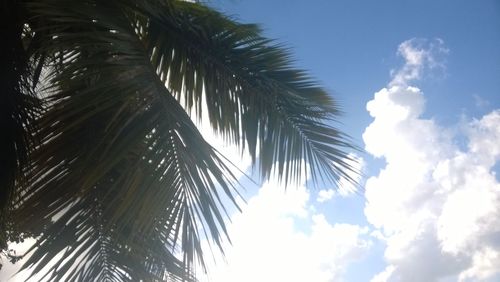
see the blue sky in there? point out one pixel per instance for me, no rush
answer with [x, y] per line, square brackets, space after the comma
[418, 81]
[350, 46]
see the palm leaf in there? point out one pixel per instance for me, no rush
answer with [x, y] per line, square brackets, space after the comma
[113, 121]
[122, 184]
[252, 91]
[18, 110]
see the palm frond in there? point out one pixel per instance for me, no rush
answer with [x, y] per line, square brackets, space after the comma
[81, 247]
[253, 93]
[18, 110]
[122, 186]
[112, 125]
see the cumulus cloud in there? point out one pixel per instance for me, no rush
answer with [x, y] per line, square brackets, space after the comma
[279, 237]
[436, 206]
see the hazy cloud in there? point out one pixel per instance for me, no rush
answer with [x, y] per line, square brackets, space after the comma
[419, 55]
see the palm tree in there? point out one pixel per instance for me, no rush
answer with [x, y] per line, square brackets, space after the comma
[103, 164]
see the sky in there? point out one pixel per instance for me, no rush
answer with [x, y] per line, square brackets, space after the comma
[419, 85]
[420, 89]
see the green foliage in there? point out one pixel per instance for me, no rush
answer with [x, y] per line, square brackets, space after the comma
[109, 171]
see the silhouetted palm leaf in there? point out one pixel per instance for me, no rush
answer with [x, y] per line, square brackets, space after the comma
[121, 185]
[20, 72]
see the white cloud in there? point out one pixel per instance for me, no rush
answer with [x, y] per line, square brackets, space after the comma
[485, 263]
[419, 55]
[384, 275]
[325, 195]
[436, 206]
[279, 237]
